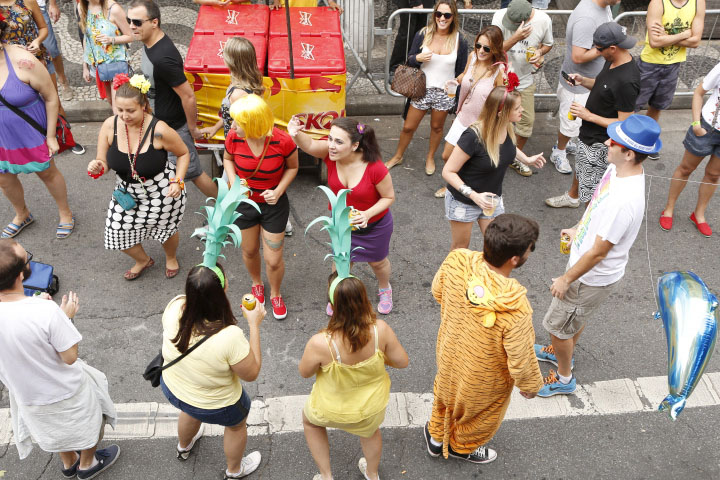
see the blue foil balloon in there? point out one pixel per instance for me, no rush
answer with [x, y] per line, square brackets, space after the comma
[690, 316]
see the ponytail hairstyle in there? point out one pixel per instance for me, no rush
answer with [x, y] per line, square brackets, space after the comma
[494, 117]
[253, 115]
[353, 314]
[363, 134]
[239, 56]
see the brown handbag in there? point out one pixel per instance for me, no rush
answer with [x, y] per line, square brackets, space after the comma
[409, 82]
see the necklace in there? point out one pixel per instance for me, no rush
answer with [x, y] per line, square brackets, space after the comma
[133, 158]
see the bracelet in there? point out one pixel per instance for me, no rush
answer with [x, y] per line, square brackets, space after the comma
[179, 182]
[113, 40]
[696, 123]
[466, 190]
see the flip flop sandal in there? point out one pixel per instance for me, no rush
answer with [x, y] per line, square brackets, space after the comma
[65, 229]
[13, 229]
[130, 275]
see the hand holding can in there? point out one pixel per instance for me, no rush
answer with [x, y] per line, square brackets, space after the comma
[565, 243]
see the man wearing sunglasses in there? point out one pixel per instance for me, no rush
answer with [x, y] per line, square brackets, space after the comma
[171, 96]
[600, 247]
[56, 401]
[524, 29]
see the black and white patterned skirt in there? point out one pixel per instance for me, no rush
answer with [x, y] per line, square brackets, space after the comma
[590, 165]
[156, 215]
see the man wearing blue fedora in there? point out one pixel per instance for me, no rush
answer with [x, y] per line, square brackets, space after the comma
[600, 246]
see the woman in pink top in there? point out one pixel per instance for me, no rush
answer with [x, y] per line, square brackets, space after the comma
[483, 72]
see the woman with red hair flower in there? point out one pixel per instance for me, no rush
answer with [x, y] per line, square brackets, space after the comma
[476, 168]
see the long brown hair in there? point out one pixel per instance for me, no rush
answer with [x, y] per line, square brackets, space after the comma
[353, 314]
[83, 6]
[207, 309]
[239, 56]
[431, 29]
[495, 116]
[495, 36]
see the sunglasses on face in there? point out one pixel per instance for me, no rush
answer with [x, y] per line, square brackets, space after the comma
[446, 15]
[600, 49]
[136, 21]
[485, 48]
[613, 142]
[29, 257]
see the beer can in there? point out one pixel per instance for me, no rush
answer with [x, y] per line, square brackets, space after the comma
[245, 184]
[571, 116]
[565, 243]
[248, 301]
[529, 53]
[353, 212]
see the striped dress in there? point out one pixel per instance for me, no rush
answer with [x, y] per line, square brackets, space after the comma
[484, 348]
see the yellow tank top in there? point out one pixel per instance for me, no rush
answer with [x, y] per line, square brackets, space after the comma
[351, 393]
[675, 20]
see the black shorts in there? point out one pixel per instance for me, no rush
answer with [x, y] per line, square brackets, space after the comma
[272, 218]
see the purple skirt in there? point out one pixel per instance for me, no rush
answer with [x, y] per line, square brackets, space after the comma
[374, 240]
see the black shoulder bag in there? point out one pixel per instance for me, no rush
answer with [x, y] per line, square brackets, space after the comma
[154, 370]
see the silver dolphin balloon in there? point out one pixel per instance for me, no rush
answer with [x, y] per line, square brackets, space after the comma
[690, 316]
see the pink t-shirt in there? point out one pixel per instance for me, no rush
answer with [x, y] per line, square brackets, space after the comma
[472, 98]
[363, 195]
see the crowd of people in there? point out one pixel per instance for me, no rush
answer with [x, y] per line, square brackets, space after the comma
[486, 344]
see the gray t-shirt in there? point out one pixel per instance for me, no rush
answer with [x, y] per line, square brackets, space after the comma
[581, 26]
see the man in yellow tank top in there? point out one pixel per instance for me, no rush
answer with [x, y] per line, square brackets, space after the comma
[672, 27]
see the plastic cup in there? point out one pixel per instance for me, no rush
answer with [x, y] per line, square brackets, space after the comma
[451, 88]
[495, 200]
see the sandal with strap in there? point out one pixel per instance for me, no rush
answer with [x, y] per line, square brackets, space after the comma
[130, 275]
[65, 229]
[13, 229]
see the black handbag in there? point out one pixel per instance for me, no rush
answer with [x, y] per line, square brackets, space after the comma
[154, 370]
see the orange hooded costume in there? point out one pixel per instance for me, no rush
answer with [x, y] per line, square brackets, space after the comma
[484, 348]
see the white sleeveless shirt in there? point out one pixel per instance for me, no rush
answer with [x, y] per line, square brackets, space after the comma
[440, 68]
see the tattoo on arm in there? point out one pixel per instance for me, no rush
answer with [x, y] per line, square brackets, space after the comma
[26, 64]
[158, 135]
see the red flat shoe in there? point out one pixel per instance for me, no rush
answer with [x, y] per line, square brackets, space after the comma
[130, 275]
[703, 228]
[666, 222]
[172, 272]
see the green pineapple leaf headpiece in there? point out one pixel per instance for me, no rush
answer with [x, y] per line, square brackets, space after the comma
[221, 223]
[339, 228]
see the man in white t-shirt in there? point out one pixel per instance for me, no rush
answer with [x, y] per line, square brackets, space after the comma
[53, 401]
[523, 29]
[600, 247]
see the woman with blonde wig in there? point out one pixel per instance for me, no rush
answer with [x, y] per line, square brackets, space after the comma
[476, 168]
[266, 158]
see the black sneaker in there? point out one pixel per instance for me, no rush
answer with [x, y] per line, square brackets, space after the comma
[433, 450]
[480, 455]
[72, 471]
[78, 149]
[105, 457]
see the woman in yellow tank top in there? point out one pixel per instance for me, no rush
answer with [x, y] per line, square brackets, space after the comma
[352, 387]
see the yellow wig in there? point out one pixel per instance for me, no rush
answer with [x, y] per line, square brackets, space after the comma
[253, 115]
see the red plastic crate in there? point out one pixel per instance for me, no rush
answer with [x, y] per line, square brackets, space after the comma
[205, 53]
[312, 55]
[233, 20]
[315, 21]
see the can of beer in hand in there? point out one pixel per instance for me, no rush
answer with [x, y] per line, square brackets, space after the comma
[571, 117]
[565, 244]
[248, 301]
[245, 184]
[529, 53]
[353, 212]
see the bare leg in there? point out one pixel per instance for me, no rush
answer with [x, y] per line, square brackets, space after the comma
[707, 188]
[687, 166]
[68, 459]
[251, 253]
[137, 253]
[170, 247]
[521, 141]
[13, 190]
[234, 443]
[447, 151]
[382, 272]
[274, 262]
[483, 224]
[460, 232]
[437, 125]
[317, 440]
[372, 449]
[562, 141]
[574, 191]
[87, 458]
[60, 69]
[61, 110]
[564, 351]
[55, 183]
[653, 113]
[206, 185]
[187, 429]
[414, 116]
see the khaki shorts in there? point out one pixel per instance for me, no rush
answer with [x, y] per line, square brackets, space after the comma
[569, 128]
[568, 316]
[524, 127]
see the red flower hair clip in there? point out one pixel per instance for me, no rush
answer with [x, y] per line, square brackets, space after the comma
[512, 81]
[2, 19]
[120, 79]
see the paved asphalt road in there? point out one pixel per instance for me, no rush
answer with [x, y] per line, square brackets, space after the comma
[120, 322]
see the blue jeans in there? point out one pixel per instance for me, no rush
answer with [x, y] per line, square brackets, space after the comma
[227, 416]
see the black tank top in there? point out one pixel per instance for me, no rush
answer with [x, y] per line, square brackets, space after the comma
[147, 165]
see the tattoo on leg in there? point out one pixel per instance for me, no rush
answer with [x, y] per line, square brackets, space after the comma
[274, 245]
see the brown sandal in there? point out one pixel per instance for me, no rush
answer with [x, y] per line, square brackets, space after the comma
[130, 275]
[172, 272]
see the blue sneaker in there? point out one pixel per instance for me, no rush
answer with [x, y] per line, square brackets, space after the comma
[106, 457]
[553, 386]
[547, 354]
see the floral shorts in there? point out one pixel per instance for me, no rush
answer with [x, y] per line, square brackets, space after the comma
[435, 99]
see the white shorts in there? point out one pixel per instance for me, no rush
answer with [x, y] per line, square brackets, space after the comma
[453, 135]
[569, 128]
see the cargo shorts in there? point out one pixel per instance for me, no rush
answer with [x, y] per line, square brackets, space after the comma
[566, 317]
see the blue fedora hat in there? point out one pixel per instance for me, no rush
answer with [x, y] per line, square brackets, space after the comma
[638, 133]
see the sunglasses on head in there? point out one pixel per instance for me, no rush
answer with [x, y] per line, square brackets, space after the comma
[136, 21]
[447, 15]
[485, 48]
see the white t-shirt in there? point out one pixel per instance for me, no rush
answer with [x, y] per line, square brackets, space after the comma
[711, 83]
[33, 331]
[614, 214]
[541, 35]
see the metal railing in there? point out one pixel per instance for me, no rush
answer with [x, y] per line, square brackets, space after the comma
[358, 29]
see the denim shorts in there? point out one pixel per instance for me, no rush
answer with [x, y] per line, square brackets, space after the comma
[227, 416]
[462, 212]
[194, 168]
[50, 43]
[708, 144]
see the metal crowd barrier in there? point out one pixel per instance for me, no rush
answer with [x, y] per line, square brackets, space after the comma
[358, 28]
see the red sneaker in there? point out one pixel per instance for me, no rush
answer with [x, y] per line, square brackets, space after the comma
[278, 307]
[666, 222]
[258, 292]
[703, 228]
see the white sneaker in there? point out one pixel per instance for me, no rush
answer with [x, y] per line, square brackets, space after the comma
[559, 159]
[571, 146]
[564, 200]
[288, 229]
[362, 465]
[248, 465]
[184, 453]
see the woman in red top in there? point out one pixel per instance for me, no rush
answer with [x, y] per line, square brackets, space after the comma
[267, 159]
[352, 156]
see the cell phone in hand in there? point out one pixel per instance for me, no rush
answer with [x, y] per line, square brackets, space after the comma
[567, 77]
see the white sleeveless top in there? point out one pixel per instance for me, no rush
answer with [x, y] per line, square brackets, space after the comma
[440, 68]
